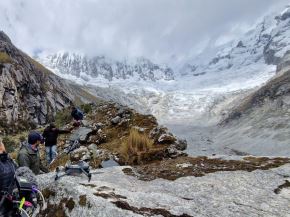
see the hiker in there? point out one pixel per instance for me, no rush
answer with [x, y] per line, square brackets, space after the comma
[50, 135]
[29, 154]
[7, 184]
[77, 115]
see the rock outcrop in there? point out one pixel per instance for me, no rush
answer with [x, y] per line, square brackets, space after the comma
[133, 139]
[30, 94]
[257, 188]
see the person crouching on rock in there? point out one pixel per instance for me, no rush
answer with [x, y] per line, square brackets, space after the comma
[7, 173]
[29, 154]
[77, 115]
[50, 135]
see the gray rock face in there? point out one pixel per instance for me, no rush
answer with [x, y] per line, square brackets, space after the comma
[28, 92]
[4, 37]
[284, 63]
[109, 163]
[278, 40]
[227, 194]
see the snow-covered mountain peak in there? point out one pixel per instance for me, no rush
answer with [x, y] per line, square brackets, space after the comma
[103, 67]
[266, 43]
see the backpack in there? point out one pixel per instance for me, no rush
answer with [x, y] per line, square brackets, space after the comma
[79, 114]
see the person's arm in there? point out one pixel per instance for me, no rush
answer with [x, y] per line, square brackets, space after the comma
[23, 160]
[63, 131]
[44, 133]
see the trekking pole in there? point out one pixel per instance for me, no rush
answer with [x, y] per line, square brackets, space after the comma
[22, 202]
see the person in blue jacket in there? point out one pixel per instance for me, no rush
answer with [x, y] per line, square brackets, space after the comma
[7, 183]
[77, 115]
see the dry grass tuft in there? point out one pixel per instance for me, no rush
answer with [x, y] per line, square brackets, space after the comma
[5, 58]
[136, 144]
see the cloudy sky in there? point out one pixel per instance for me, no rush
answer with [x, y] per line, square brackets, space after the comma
[158, 29]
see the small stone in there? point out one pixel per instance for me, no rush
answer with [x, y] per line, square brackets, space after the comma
[116, 120]
[166, 138]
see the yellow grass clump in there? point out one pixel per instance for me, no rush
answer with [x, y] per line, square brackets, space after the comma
[5, 58]
[136, 145]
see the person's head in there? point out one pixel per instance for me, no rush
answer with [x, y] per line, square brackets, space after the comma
[52, 126]
[73, 108]
[35, 138]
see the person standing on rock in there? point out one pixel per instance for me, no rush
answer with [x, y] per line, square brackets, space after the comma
[50, 135]
[29, 156]
[77, 115]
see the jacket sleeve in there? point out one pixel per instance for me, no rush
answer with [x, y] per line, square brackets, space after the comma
[23, 160]
[63, 131]
[44, 133]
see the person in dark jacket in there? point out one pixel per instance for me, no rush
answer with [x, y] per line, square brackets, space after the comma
[77, 115]
[50, 135]
[7, 175]
[29, 154]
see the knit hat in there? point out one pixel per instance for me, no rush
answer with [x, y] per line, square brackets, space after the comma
[33, 137]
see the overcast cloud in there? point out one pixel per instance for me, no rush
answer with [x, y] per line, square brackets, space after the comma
[158, 29]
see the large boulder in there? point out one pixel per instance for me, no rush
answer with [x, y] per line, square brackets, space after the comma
[82, 134]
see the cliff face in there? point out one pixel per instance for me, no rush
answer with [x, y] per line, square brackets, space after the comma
[29, 93]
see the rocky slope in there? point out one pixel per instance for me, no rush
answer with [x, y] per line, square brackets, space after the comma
[117, 133]
[29, 93]
[260, 122]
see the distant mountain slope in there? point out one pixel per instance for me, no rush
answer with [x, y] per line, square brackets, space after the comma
[99, 66]
[264, 44]
[29, 93]
[260, 123]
